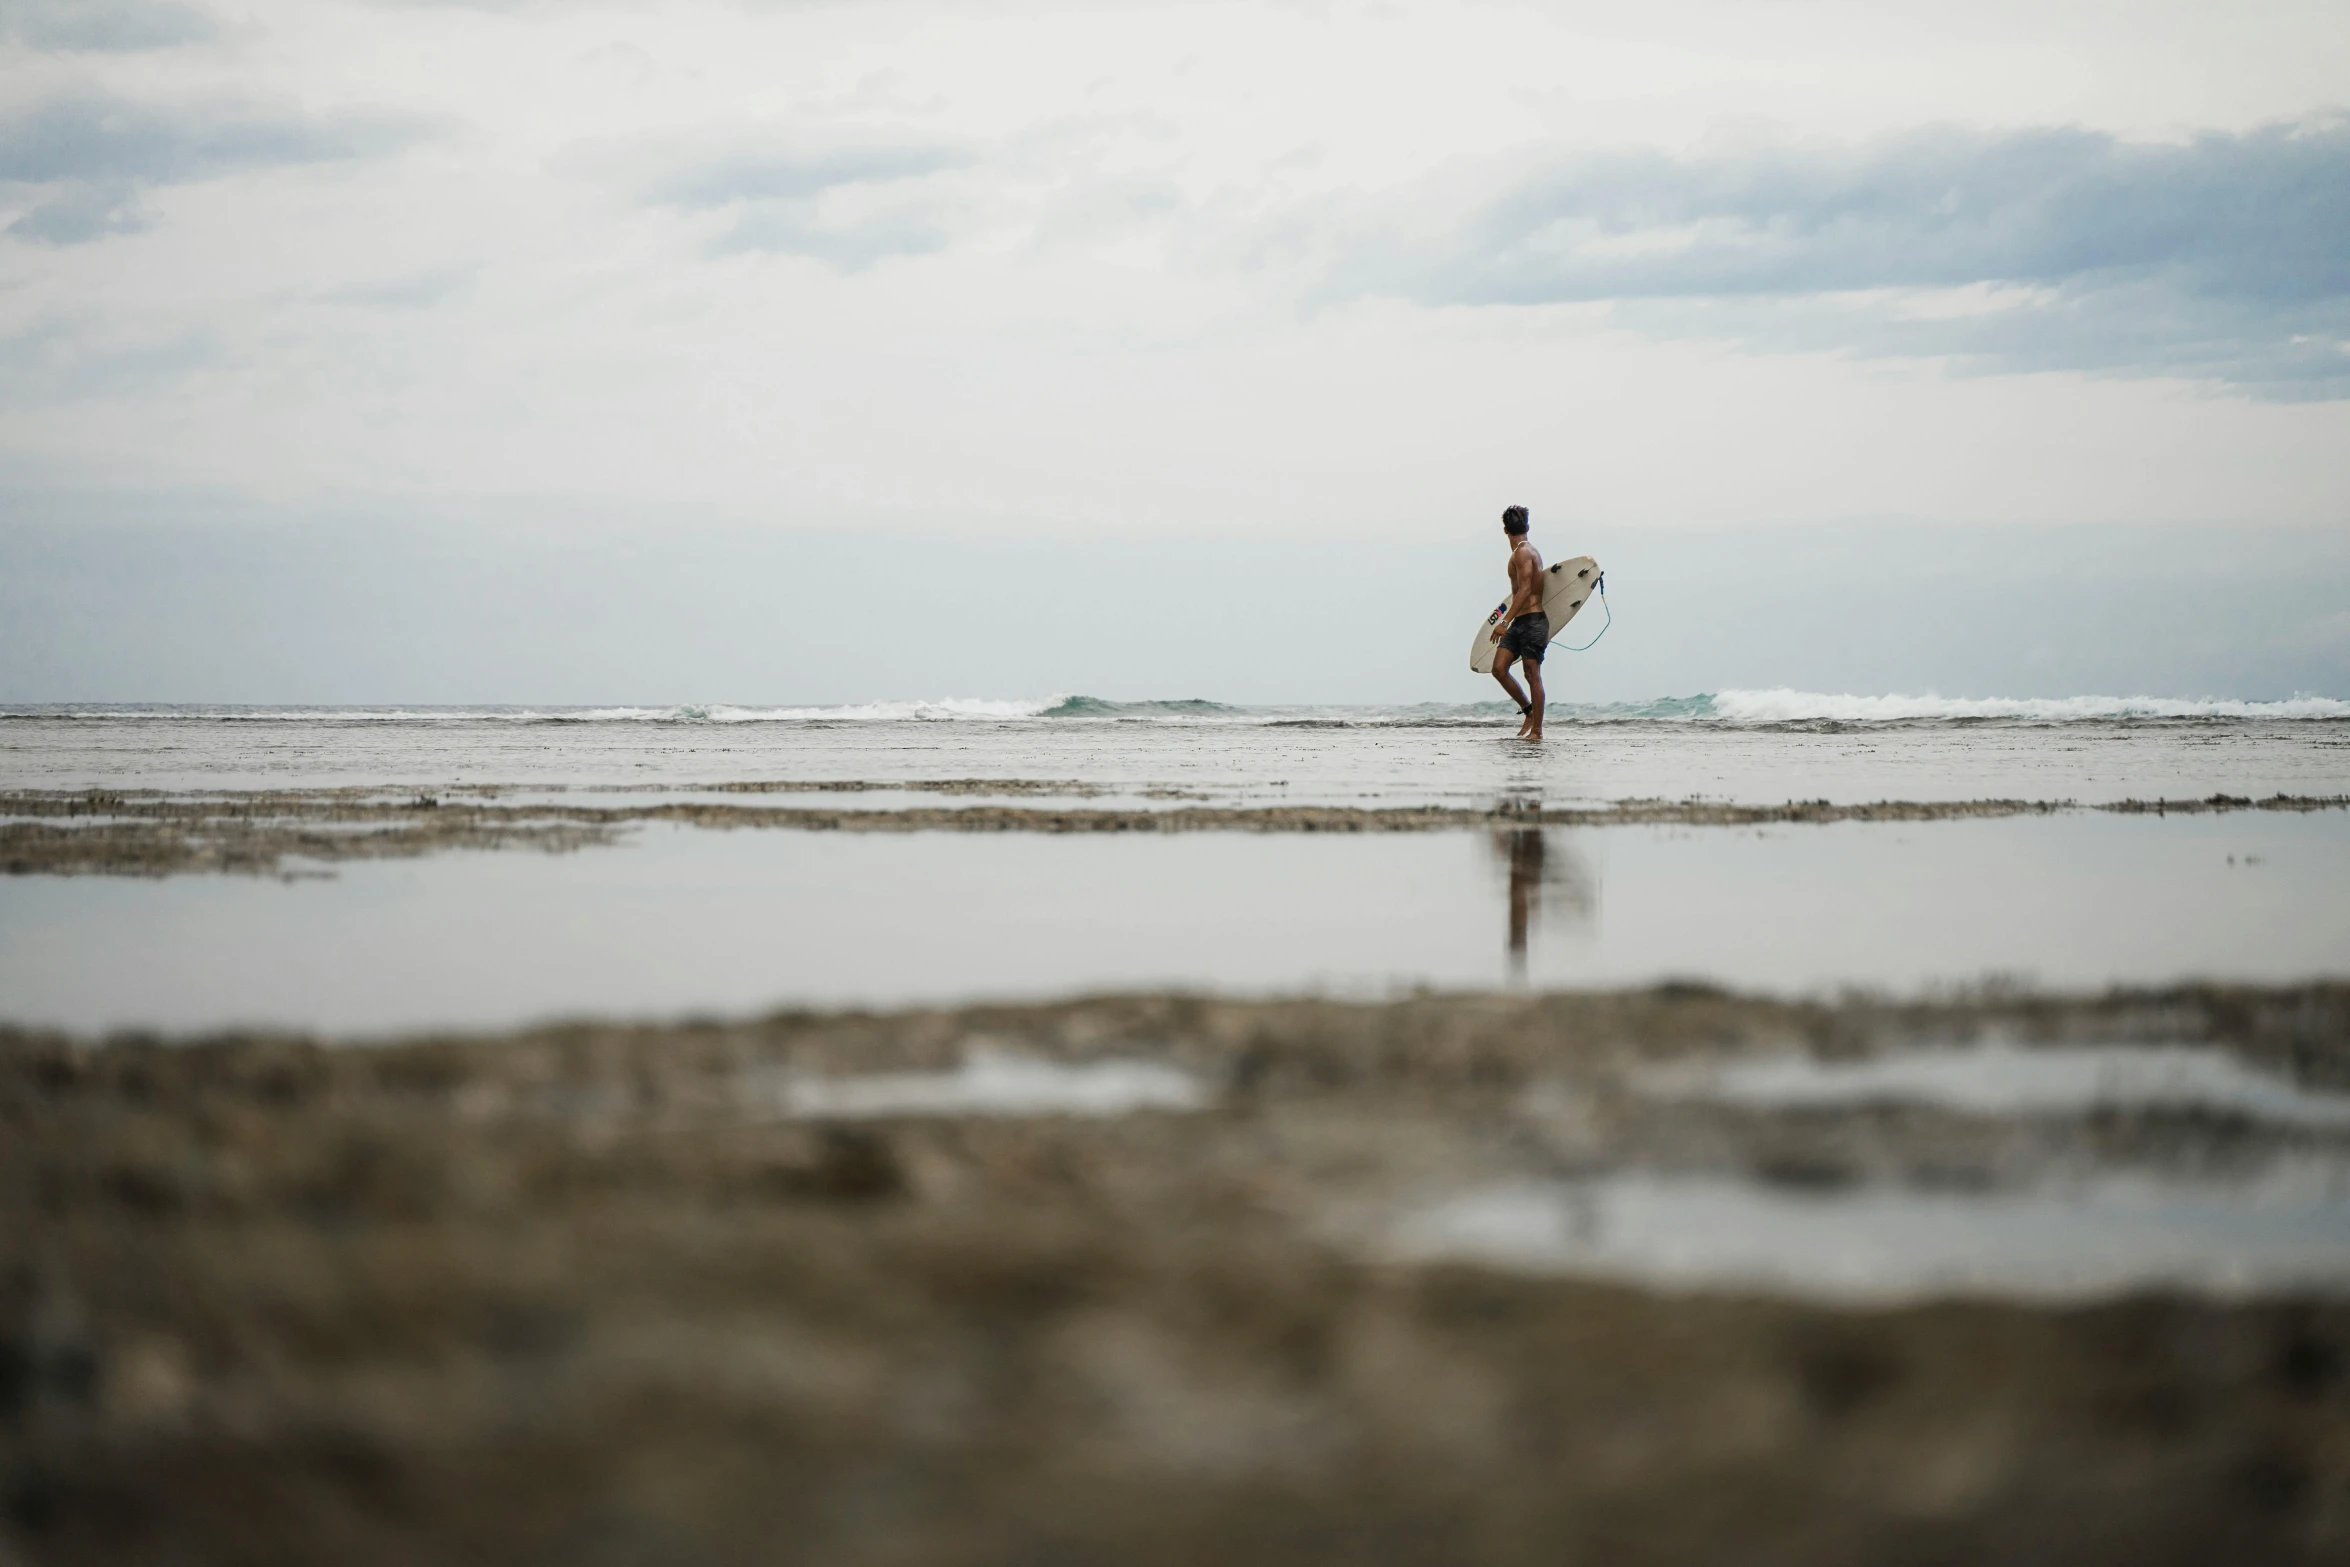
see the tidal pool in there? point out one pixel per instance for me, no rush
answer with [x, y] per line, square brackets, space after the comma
[681, 920]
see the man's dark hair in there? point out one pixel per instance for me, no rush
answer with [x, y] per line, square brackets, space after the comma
[1513, 521]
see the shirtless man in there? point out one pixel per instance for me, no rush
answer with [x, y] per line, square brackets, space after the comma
[1525, 631]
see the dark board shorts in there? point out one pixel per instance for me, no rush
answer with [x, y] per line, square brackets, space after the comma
[1527, 636]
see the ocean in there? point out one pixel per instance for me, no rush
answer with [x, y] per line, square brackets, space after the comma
[1742, 746]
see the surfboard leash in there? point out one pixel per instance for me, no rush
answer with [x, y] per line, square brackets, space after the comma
[1601, 585]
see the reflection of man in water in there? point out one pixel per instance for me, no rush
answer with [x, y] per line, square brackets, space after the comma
[1525, 631]
[1525, 850]
[1540, 868]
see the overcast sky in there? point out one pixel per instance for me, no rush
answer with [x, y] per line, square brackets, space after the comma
[1258, 277]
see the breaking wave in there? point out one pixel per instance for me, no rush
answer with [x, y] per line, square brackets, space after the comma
[1095, 707]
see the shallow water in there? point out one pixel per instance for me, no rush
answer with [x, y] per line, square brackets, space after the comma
[1384, 756]
[2111, 1234]
[679, 920]
[996, 1082]
[1998, 1077]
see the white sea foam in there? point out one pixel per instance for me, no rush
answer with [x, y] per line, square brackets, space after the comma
[868, 712]
[945, 708]
[678, 713]
[1785, 706]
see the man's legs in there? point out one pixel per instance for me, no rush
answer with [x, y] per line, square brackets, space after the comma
[1502, 660]
[1533, 728]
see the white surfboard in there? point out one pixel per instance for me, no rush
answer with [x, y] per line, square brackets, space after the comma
[1566, 585]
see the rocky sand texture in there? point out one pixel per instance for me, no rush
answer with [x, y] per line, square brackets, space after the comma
[1115, 1281]
[281, 832]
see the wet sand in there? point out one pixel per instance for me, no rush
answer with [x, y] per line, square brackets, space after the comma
[1150, 1280]
[260, 832]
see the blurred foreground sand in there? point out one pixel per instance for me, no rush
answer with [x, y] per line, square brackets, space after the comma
[606, 1294]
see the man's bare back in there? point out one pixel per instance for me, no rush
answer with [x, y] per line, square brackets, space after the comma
[1524, 633]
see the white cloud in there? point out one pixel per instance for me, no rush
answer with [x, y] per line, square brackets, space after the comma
[105, 25]
[2224, 257]
[847, 199]
[84, 157]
